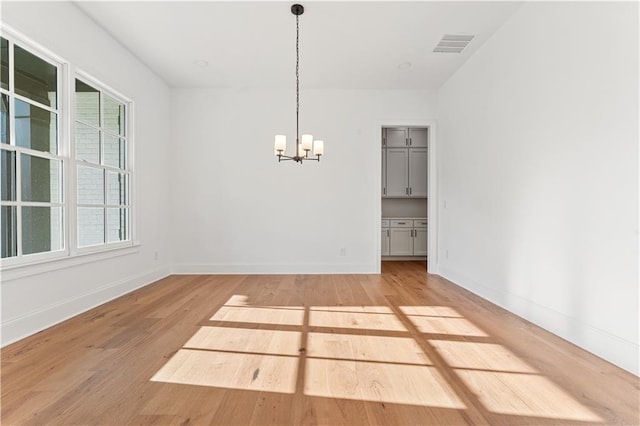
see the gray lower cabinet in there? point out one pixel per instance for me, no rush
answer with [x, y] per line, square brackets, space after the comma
[401, 242]
[385, 238]
[420, 242]
[404, 237]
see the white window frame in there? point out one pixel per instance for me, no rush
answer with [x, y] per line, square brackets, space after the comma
[70, 254]
[62, 67]
[74, 162]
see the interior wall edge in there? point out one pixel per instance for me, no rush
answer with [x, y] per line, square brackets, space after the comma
[612, 348]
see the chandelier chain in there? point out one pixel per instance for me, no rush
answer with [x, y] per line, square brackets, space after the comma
[297, 81]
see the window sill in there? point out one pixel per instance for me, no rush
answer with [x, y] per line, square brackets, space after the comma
[16, 271]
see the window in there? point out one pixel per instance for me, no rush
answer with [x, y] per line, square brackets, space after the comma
[102, 172]
[65, 164]
[32, 205]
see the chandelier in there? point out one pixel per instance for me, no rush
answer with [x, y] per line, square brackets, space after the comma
[304, 144]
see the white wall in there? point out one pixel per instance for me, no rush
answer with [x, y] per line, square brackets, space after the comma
[538, 154]
[235, 209]
[36, 297]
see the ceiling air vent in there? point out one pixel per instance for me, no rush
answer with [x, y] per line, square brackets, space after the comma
[453, 43]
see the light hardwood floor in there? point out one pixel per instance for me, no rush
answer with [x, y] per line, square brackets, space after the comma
[392, 349]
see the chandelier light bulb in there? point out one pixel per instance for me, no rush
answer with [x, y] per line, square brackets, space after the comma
[307, 141]
[280, 144]
[318, 148]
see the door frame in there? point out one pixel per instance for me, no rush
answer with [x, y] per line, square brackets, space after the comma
[432, 185]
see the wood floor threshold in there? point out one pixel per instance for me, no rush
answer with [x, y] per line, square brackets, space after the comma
[399, 348]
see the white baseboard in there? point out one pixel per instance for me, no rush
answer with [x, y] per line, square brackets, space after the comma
[30, 323]
[610, 347]
[288, 269]
[404, 258]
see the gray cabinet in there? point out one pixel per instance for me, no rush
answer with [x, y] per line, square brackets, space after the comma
[385, 238]
[395, 137]
[401, 237]
[405, 162]
[417, 182]
[418, 137]
[420, 237]
[397, 172]
[405, 137]
[404, 237]
[420, 242]
[401, 242]
[384, 172]
[404, 172]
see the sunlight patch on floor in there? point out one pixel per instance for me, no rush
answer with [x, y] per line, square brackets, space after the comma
[354, 318]
[259, 315]
[366, 348]
[524, 395]
[362, 362]
[480, 356]
[230, 370]
[354, 309]
[246, 340]
[431, 311]
[454, 326]
[238, 300]
[379, 382]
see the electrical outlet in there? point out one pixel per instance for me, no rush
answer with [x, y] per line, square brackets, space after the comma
[156, 255]
[343, 251]
[446, 254]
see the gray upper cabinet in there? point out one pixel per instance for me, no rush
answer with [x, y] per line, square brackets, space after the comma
[418, 172]
[397, 172]
[396, 137]
[418, 137]
[405, 137]
[404, 162]
[384, 172]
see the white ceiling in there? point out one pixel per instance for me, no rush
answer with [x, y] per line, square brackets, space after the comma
[343, 45]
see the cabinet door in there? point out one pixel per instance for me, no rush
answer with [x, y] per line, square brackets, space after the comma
[420, 242]
[385, 242]
[396, 137]
[401, 242]
[418, 138]
[397, 172]
[384, 172]
[418, 172]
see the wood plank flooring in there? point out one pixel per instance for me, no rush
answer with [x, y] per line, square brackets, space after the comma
[399, 348]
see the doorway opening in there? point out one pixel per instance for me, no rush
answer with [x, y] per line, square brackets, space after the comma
[406, 223]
